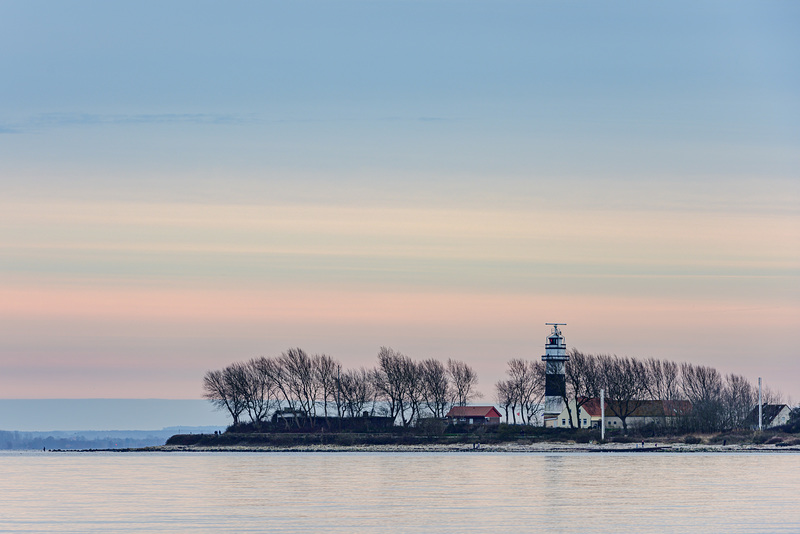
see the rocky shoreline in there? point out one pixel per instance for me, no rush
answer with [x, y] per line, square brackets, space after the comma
[647, 447]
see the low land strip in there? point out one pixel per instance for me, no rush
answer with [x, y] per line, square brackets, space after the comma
[541, 447]
[506, 438]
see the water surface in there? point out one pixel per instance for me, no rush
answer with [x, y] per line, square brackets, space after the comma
[399, 492]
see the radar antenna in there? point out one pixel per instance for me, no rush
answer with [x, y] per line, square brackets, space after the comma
[555, 327]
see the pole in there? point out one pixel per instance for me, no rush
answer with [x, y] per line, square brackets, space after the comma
[338, 390]
[602, 414]
[759, 404]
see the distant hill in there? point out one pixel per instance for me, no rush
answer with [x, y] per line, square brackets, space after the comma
[94, 439]
[38, 415]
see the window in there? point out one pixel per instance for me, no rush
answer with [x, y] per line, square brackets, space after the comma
[584, 422]
[563, 422]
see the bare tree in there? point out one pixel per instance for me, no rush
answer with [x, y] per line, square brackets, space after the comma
[533, 393]
[357, 390]
[523, 391]
[436, 390]
[664, 382]
[465, 380]
[391, 381]
[260, 396]
[506, 397]
[518, 377]
[703, 387]
[224, 390]
[300, 380]
[415, 386]
[771, 396]
[526, 382]
[326, 370]
[626, 384]
[275, 372]
[738, 399]
[583, 382]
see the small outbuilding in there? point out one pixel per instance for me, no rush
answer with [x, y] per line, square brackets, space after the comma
[473, 415]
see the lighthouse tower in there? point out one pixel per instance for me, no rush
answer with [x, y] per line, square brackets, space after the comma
[555, 384]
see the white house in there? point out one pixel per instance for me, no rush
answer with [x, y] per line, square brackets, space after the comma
[771, 415]
[647, 411]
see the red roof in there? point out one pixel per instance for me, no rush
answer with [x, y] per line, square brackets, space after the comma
[646, 408]
[473, 411]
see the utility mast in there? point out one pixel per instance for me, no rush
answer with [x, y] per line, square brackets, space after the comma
[555, 384]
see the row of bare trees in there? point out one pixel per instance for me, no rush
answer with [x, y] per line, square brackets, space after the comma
[522, 393]
[407, 390]
[314, 386]
[717, 401]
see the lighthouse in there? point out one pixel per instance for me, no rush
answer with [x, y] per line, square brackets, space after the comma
[555, 384]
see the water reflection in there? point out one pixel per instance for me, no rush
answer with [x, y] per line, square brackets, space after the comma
[372, 492]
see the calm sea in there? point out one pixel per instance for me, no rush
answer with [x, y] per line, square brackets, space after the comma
[398, 492]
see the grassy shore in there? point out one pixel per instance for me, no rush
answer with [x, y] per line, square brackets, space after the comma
[477, 439]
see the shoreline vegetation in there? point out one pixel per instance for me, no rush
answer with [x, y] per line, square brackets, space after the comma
[543, 447]
[474, 438]
[500, 438]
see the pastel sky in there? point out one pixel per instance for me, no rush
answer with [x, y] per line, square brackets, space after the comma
[186, 184]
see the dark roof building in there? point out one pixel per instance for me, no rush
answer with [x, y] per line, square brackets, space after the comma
[771, 415]
[474, 415]
[644, 408]
[637, 412]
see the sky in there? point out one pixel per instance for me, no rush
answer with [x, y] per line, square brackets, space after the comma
[191, 183]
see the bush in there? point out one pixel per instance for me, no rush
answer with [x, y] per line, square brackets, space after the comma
[184, 439]
[692, 440]
[282, 440]
[344, 439]
[506, 432]
[733, 437]
[760, 438]
[248, 428]
[773, 440]
[379, 439]
[431, 426]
